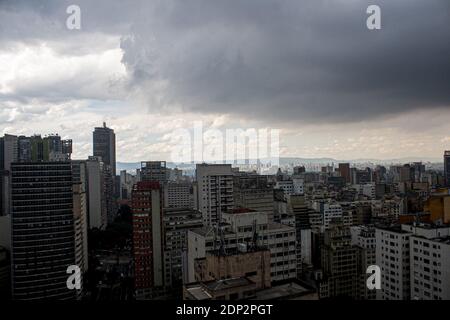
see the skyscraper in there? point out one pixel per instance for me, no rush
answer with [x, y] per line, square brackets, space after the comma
[80, 214]
[96, 194]
[47, 219]
[147, 204]
[8, 154]
[105, 151]
[105, 146]
[43, 233]
[447, 168]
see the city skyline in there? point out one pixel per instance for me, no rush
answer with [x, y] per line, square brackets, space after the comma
[150, 68]
[222, 234]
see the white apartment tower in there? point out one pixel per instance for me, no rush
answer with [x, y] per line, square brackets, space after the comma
[429, 261]
[215, 191]
[392, 256]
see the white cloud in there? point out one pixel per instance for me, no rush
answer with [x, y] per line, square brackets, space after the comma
[155, 67]
[40, 71]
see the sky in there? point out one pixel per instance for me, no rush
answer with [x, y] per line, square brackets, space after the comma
[311, 69]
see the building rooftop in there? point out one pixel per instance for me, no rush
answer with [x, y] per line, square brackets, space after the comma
[290, 290]
[236, 251]
[216, 285]
[444, 240]
[199, 292]
[278, 226]
[208, 230]
[429, 226]
[240, 210]
[205, 290]
[393, 228]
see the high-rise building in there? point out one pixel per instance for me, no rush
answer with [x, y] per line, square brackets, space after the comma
[215, 191]
[298, 207]
[127, 181]
[104, 140]
[43, 232]
[8, 151]
[447, 168]
[339, 262]
[5, 232]
[254, 192]
[344, 170]
[154, 171]
[97, 215]
[179, 195]
[361, 176]
[363, 237]
[430, 262]
[392, 256]
[8, 155]
[109, 193]
[5, 274]
[176, 223]
[147, 205]
[80, 214]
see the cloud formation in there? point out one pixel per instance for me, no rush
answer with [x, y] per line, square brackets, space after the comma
[301, 65]
[293, 60]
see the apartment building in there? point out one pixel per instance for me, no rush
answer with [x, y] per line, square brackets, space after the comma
[245, 227]
[215, 191]
[392, 256]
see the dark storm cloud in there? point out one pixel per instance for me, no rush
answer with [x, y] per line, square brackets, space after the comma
[296, 60]
[305, 61]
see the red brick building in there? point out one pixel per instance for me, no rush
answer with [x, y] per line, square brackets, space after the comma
[147, 204]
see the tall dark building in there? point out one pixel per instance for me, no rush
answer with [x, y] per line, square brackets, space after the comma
[43, 236]
[176, 223]
[5, 270]
[154, 171]
[8, 154]
[339, 262]
[447, 168]
[344, 170]
[105, 146]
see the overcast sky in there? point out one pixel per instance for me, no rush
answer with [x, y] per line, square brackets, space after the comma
[310, 68]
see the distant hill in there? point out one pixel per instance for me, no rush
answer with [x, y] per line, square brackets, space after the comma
[285, 161]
